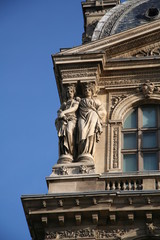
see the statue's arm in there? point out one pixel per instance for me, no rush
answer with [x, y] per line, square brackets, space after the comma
[69, 110]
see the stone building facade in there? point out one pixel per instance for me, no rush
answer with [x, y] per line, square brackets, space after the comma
[106, 184]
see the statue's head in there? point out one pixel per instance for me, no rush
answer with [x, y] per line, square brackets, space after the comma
[70, 91]
[89, 89]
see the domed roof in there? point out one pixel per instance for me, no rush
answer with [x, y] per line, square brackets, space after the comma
[127, 15]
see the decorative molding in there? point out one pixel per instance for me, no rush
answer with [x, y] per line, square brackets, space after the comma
[72, 168]
[116, 99]
[148, 88]
[115, 234]
[154, 51]
[148, 51]
[63, 170]
[79, 74]
[125, 82]
[83, 169]
[128, 103]
[115, 147]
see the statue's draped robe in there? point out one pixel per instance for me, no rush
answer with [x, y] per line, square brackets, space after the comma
[91, 113]
[66, 129]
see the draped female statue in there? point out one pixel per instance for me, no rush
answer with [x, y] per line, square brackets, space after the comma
[91, 114]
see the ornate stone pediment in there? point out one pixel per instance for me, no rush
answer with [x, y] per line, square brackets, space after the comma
[106, 60]
[152, 50]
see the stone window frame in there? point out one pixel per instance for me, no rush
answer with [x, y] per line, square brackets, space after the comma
[139, 130]
[116, 122]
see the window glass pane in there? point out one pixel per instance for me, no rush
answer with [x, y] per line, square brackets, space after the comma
[131, 120]
[149, 140]
[149, 116]
[129, 141]
[129, 162]
[150, 161]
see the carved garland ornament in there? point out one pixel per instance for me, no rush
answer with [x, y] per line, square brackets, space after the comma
[87, 232]
[72, 74]
[115, 147]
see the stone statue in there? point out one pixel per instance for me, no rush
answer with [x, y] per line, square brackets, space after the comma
[91, 114]
[66, 124]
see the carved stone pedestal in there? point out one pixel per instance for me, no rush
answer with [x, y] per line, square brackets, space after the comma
[73, 168]
[74, 177]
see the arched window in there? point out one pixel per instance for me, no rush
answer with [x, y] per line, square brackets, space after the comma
[141, 139]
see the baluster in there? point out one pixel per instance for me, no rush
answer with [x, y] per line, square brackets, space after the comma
[113, 185]
[107, 186]
[129, 185]
[134, 185]
[119, 186]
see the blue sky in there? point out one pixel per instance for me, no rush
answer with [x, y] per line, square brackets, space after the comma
[30, 31]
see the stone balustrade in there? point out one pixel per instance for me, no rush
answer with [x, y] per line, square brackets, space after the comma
[124, 184]
[134, 182]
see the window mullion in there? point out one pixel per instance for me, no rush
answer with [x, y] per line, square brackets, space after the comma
[139, 139]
